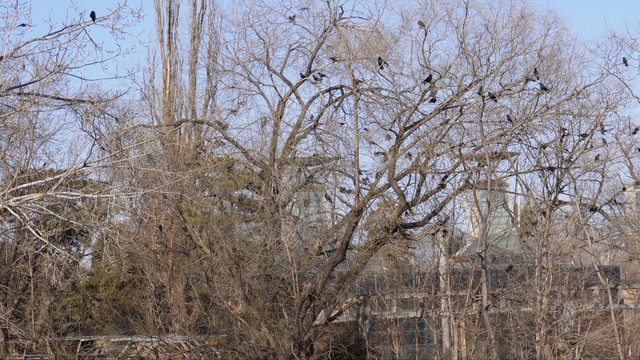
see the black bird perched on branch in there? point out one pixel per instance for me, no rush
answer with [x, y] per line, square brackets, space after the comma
[92, 14]
[624, 61]
[315, 78]
[492, 96]
[22, 25]
[535, 73]
[635, 130]
[432, 94]
[421, 24]
[509, 119]
[428, 79]
[381, 63]
[543, 88]
[563, 132]
[602, 129]
[302, 76]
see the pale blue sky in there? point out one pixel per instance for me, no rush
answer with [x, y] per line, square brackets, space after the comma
[585, 17]
[591, 17]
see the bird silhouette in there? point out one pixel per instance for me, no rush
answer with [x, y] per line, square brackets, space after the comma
[302, 76]
[509, 119]
[428, 79]
[563, 132]
[492, 96]
[535, 73]
[315, 78]
[421, 24]
[381, 63]
[322, 75]
[635, 130]
[624, 61]
[480, 90]
[433, 100]
[543, 88]
[22, 25]
[92, 14]
[433, 92]
[597, 157]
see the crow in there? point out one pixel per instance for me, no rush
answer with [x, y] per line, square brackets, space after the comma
[535, 73]
[480, 90]
[333, 59]
[635, 130]
[92, 14]
[602, 129]
[428, 79]
[322, 75]
[597, 157]
[492, 96]
[302, 76]
[160, 227]
[543, 88]
[509, 119]
[421, 24]
[22, 25]
[381, 63]
[315, 78]
[433, 93]
[433, 100]
[564, 131]
[624, 61]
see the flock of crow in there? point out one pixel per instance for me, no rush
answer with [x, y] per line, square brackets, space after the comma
[429, 79]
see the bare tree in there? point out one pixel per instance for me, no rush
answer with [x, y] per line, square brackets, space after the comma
[52, 197]
[386, 120]
[281, 154]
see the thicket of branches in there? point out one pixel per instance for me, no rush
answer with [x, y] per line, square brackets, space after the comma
[275, 154]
